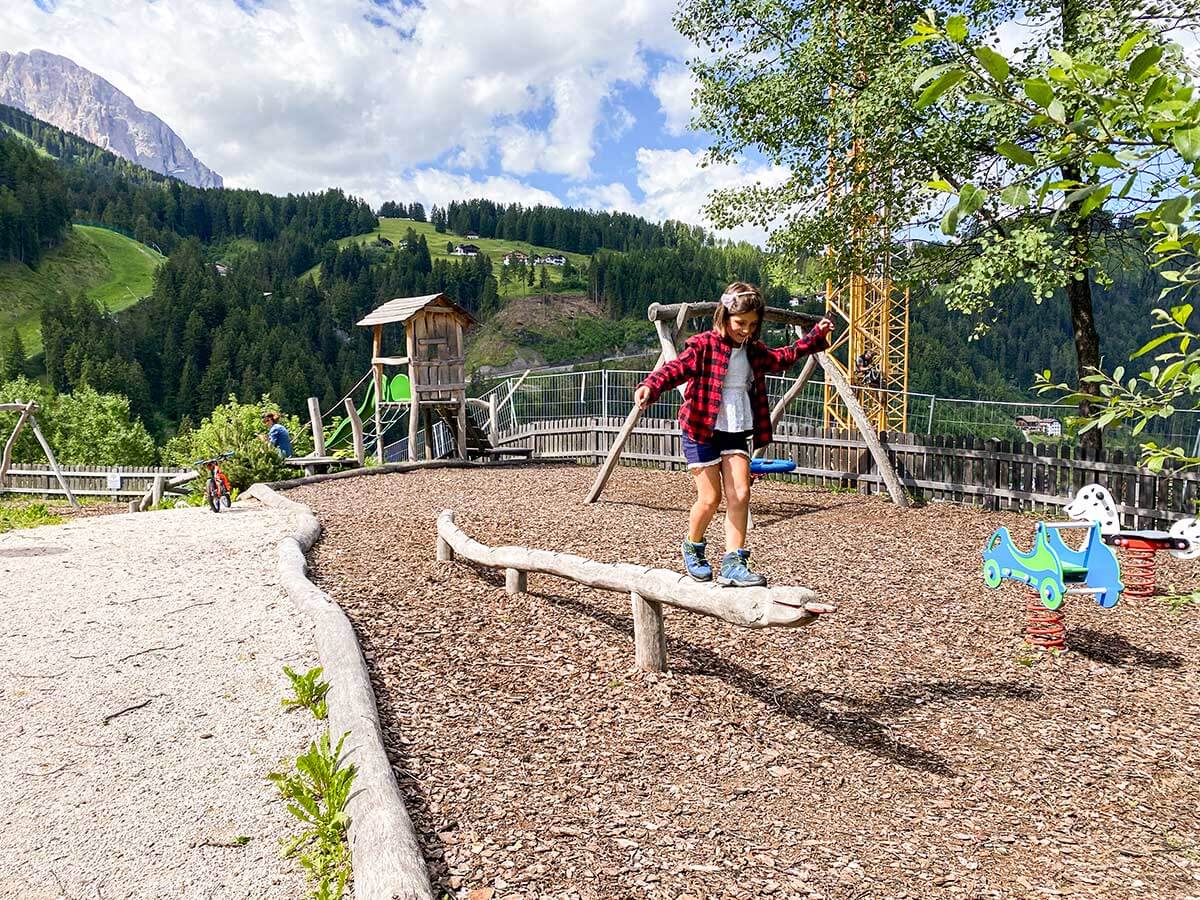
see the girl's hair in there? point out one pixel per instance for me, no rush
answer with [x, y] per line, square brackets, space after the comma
[739, 299]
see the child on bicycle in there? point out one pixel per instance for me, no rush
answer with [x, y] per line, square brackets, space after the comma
[724, 406]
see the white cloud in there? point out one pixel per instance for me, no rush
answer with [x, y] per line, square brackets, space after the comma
[308, 93]
[439, 187]
[676, 186]
[673, 87]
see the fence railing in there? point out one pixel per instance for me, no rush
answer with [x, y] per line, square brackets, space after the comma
[993, 474]
[88, 481]
[609, 392]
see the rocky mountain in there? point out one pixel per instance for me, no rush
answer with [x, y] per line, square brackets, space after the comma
[56, 90]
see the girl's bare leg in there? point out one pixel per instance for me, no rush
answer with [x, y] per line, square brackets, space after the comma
[708, 498]
[735, 472]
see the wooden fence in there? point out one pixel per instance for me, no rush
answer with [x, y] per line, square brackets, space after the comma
[993, 474]
[95, 481]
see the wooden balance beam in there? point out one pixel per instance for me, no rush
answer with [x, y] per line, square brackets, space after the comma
[649, 589]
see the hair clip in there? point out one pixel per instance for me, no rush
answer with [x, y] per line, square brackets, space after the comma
[727, 300]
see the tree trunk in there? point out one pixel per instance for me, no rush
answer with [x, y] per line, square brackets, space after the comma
[1079, 287]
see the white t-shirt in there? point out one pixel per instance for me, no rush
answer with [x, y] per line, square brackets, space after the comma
[736, 414]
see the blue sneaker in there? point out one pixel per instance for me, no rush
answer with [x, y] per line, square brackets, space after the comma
[694, 562]
[735, 571]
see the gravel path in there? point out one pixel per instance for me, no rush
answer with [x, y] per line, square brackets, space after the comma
[906, 746]
[176, 617]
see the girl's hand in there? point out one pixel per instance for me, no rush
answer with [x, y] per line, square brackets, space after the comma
[823, 328]
[642, 397]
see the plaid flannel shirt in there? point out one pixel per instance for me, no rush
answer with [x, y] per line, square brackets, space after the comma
[703, 363]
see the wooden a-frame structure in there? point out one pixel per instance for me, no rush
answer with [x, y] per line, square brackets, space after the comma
[670, 320]
[26, 415]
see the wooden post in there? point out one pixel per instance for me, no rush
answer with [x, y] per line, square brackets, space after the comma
[462, 425]
[318, 428]
[445, 553]
[377, 368]
[493, 418]
[834, 375]
[157, 490]
[37, 432]
[414, 405]
[360, 452]
[428, 415]
[515, 581]
[6, 460]
[649, 638]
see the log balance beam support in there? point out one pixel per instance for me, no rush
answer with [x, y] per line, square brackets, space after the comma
[649, 590]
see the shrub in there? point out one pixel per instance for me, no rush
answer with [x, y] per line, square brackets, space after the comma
[84, 427]
[237, 427]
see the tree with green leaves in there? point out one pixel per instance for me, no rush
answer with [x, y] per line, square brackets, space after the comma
[12, 357]
[1097, 130]
[824, 89]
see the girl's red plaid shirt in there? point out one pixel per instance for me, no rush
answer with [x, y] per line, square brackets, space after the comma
[703, 363]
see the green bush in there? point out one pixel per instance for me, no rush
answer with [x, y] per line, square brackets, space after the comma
[84, 427]
[237, 427]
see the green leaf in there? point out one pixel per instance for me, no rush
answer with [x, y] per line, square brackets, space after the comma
[1062, 58]
[940, 185]
[996, 65]
[1016, 153]
[1094, 199]
[1039, 91]
[1130, 43]
[943, 83]
[1187, 142]
[917, 39]
[956, 28]
[1102, 159]
[1015, 195]
[1056, 111]
[1181, 313]
[970, 199]
[929, 74]
[1127, 186]
[1144, 62]
[950, 220]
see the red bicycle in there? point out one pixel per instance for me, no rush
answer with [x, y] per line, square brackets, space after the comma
[216, 489]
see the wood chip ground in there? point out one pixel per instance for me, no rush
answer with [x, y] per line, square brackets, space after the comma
[908, 746]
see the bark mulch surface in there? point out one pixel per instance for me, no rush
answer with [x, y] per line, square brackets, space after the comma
[908, 745]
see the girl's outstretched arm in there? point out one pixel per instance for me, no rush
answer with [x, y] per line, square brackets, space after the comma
[780, 359]
[672, 374]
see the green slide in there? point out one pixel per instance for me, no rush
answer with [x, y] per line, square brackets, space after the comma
[396, 389]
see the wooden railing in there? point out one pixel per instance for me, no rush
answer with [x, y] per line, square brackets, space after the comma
[96, 481]
[996, 475]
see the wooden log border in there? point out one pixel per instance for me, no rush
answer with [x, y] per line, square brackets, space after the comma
[649, 589]
[385, 854]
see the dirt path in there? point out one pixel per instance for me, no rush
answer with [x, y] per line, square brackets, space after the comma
[141, 660]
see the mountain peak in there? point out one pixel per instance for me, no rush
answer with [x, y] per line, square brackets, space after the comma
[55, 89]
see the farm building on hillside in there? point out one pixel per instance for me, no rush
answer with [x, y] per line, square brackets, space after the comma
[1038, 425]
[515, 256]
[472, 235]
[465, 250]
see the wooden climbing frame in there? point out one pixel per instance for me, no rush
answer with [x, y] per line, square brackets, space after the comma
[26, 415]
[670, 320]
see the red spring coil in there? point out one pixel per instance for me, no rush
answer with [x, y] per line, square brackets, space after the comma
[1138, 573]
[1044, 627]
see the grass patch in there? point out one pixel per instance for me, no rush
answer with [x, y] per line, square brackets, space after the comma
[395, 229]
[25, 515]
[108, 267]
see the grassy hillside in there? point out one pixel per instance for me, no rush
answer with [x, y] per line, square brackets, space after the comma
[395, 229]
[110, 268]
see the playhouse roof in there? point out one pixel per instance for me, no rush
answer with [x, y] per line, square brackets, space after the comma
[404, 308]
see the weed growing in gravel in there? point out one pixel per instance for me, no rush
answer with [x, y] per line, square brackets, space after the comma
[1179, 602]
[309, 692]
[26, 515]
[317, 794]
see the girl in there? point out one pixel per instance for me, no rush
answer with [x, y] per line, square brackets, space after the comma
[725, 404]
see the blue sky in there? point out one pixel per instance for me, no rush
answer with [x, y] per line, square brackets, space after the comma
[571, 101]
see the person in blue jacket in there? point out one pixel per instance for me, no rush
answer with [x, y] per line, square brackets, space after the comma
[277, 435]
